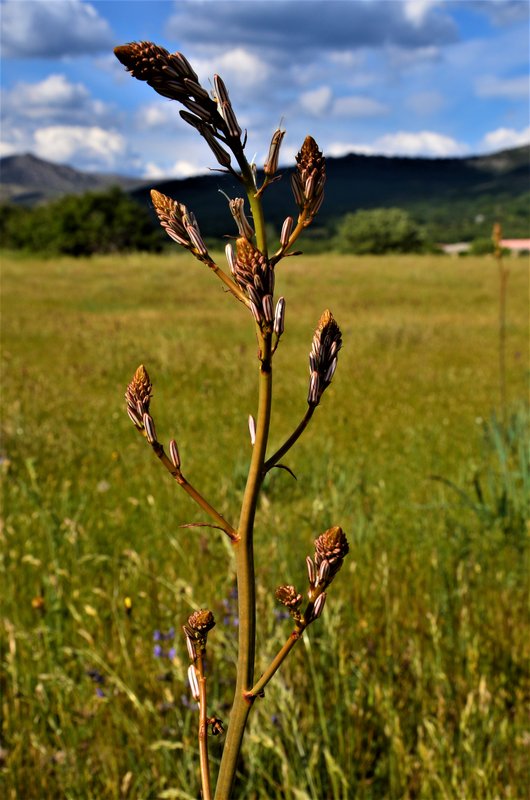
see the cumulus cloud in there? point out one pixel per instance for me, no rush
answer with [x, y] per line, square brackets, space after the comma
[52, 29]
[357, 107]
[52, 101]
[181, 168]
[94, 146]
[516, 88]
[505, 138]
[287, 26]
[417, 10]
[404, 143]
[7, 149]
[239, 67]
[317, 101]
[158, 115]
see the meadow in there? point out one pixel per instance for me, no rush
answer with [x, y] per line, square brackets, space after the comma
[414, 683]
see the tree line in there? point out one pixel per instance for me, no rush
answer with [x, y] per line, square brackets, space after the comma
[111, 221]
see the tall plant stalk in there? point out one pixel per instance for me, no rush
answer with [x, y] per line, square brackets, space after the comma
[250, 280]
[503, 287]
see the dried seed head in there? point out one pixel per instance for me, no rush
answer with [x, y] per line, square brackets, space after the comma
[225, 107]
[192, 653]
[180, 224]
[174, 454]
[169, 74]
[271, 164]
[149, 425]
[289, 597]
[319, 606]
[222, 155]
[331, 547]
[237, 208]
[309, 179]
[311, 571]
[201, 621]
[255, 276]
[279, 317]
[138, 396]
[194, 683]
[287, 228]
[327, 341]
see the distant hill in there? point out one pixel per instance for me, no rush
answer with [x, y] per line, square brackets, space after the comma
[455, 197]
[469, 186]
[28, 180]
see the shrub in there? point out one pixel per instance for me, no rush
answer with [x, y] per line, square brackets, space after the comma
[379, 230]
[81, 225]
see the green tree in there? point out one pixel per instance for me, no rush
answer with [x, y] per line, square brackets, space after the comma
[80, 225]
[379, 230]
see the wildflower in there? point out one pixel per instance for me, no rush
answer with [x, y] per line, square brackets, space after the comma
[327, 341]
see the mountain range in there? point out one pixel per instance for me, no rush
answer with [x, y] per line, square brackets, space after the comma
[450, 187]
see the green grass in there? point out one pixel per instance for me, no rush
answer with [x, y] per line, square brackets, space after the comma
[414, 684]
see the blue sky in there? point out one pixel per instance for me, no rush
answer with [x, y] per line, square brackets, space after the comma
[398, 77]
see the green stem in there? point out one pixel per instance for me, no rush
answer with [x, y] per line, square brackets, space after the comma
[244, 550]
[276, 663]
[269, 464]
[228, 282]
[256, 206]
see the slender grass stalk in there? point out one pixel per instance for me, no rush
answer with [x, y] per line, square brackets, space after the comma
[503, 287]
[252, 283]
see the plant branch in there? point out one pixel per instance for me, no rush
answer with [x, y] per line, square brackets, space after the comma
[229, 283]
[203, 730]
[276, 663]
[273, 460]
[193, 493]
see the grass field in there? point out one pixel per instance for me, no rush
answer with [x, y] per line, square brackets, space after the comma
[415, 683]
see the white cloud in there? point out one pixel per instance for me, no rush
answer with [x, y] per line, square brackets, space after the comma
[180, 169]
[45, 98]
[7, 149]
[90, 144]
[316, 102]
[319, 102]
[357, 107]
[159, 114]
[505, 138]
[415, 11]
[52, 29]
[506, 88]
[239, 68]
[53, 100]
[403, 143]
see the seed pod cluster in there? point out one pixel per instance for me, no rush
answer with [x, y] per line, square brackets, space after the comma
[138, 396]
[288, 597]
[255, 276]
[308, 181]
[327, 341]
[180, 224]
[171, 75]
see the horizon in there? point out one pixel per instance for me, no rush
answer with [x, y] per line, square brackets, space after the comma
[212, 170]
[392, 78]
